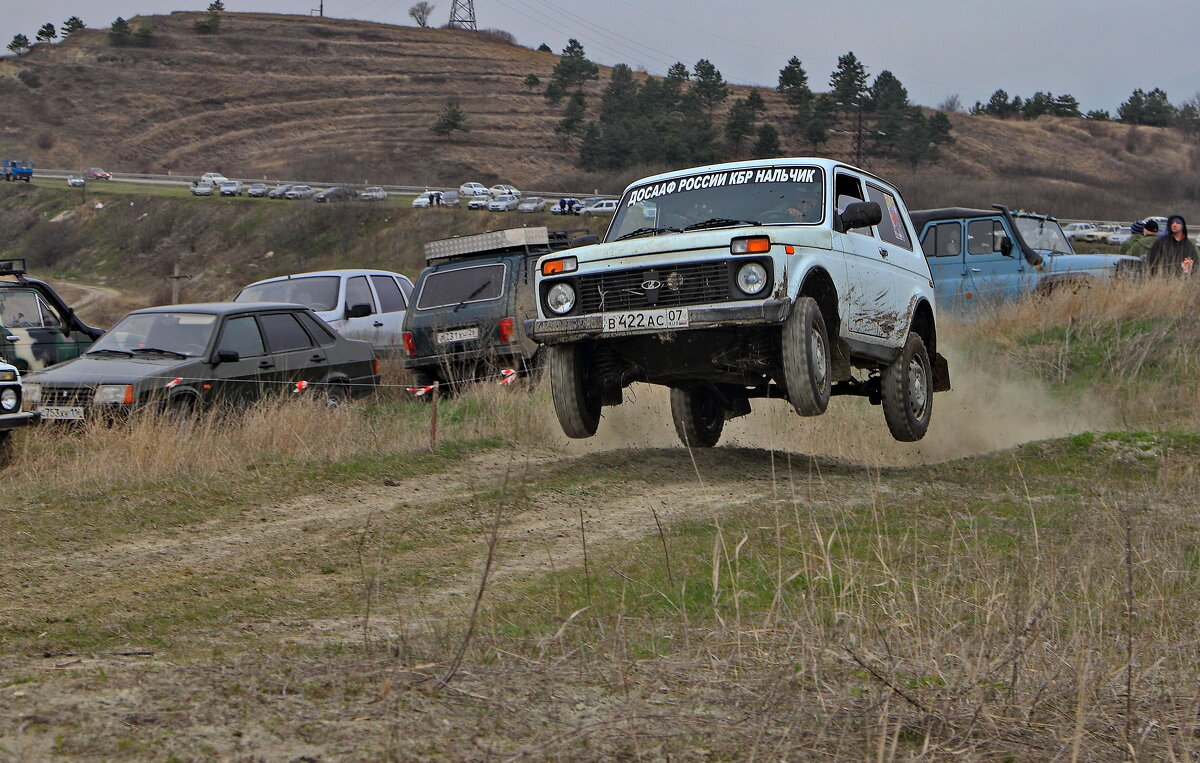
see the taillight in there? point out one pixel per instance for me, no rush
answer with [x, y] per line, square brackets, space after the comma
[508, 329]
[376, 359]
[410, 345]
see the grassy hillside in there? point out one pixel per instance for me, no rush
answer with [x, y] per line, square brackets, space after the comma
[339, 100]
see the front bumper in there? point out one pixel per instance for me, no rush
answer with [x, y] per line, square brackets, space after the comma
[17, 420]
[571, 328]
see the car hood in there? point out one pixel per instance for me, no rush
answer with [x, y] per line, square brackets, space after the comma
[1067, 263]
[719, 238]
[118, 369]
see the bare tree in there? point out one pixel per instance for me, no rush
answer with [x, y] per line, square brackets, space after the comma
[421, 13]
[952, 104]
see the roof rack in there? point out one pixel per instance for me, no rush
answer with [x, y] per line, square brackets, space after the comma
[534, 239]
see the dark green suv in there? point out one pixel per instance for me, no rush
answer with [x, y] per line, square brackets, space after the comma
[466, 318]
[37, 328]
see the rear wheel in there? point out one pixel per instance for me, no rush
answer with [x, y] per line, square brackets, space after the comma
[699, 416]
[337, 394]
[806, 358]
[575, 402]
[907, 389]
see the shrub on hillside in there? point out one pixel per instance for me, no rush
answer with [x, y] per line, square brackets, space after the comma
[498, 35]
[31, 79]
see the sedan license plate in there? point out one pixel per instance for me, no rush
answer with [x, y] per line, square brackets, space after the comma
[458, 335]
[62, 412]
[646, 320]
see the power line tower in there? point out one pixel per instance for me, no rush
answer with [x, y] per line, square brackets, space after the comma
[462, 15]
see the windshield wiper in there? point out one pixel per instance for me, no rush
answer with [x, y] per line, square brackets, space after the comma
[644, 231]
[110, 349]
[176, 353]
[720, 222]
[472, 295]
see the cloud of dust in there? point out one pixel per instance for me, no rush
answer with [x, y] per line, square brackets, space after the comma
[984, 412]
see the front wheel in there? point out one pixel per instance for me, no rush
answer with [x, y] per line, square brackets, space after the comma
[575, 403]
[907, 390]
[806, 358]
[698, 415]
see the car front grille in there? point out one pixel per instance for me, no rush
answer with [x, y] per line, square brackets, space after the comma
[694, 283]
[67, 395]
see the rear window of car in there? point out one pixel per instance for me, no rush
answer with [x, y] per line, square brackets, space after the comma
[478, 283]
[315, 292]
[284, 333]
[318, 330]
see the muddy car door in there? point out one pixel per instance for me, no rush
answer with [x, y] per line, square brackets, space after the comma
[870, 278]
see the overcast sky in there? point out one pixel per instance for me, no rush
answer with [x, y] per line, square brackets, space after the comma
[1096, 50]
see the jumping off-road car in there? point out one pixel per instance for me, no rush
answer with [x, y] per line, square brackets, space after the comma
[37, 328]
[466, 320]
[788, 278]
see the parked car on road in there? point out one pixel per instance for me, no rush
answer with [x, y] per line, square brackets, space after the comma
[565, 206]
[472, 189]
[336, 193]
[202, 189]
[280, 191]
[37, 327]
[232, 188]
[75, 181]
[299, 192]
[601, 207]
[791, 278]
[95, 173]
[373, 193]
[504, 189]
[361, 304]
[1077, 231]
[1120, 235]
[212, 178]
[504, 203]
[258, 190]
[184, 358]
[532, 204]
[479, 202]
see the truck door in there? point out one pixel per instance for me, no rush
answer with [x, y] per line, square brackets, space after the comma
[870, 278]
[997, 276]
[952, 279]
[900, 255]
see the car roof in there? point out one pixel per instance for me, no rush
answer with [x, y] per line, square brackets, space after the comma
[786, 161]
[922, 216]
[221, 308]
[339, 273]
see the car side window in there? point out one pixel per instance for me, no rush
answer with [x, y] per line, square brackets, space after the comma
[891, 226]
[284, 333]
[943, 240]
[241, 335]
[27, 309]
[391, 299]
[358, 292]
[316, 330]
[847, 190]
[983, 236]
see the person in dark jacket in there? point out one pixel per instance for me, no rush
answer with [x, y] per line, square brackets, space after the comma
[1173, 254]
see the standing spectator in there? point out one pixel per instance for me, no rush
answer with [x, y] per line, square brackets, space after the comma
[1142, 239]
[1173, 254]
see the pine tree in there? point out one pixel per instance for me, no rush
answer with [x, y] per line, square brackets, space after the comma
[450, 118]
[848, 83]
[739, 124]
[824, 117]
[767, 145]
[119, 32]
[571, 72]
[71, 26]
[19, 44]
[47, 33]
[572, 118]
[709, 86]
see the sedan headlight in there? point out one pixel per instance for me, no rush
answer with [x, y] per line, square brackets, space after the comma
[9, 400]
[752, 278]
[114, 393]
[560, 298]
[33, 392]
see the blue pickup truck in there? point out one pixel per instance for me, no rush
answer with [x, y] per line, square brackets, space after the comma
[16, 170]
[987, 256]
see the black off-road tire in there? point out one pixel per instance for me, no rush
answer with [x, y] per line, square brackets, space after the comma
[698, 415]
[576, 403]
[806, 358]
[907, 389]
[337, 394]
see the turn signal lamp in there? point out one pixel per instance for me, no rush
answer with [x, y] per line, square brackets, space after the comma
[508, 329]
[559, 266]
[750, 245]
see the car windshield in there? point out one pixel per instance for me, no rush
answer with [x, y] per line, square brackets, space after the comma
[1044, 235]
[176, 333]
[315, 292]
[768, 195]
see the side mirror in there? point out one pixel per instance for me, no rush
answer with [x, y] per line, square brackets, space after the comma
[1006, 246]
[358, 311]
[861, 214]
[227, 356]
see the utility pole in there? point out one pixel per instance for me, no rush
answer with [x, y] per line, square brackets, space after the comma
[176, 278]
[319, 11]
[462, 15]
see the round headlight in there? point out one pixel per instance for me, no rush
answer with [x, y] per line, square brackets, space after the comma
[560, 298]
[9, 400]
[752, 278]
